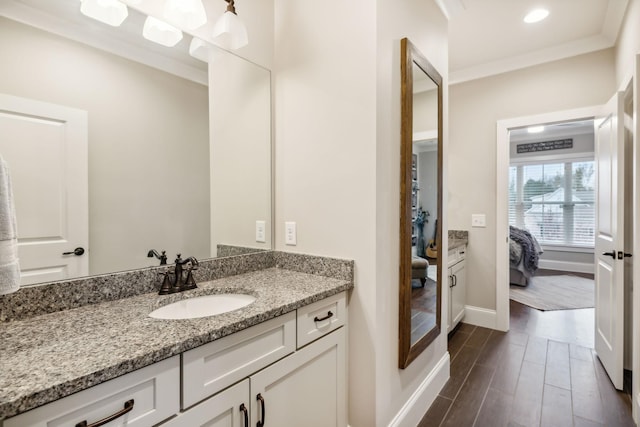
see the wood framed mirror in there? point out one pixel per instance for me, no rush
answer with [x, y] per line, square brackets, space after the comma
[420, 281]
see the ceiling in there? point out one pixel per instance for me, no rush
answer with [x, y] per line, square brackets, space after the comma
[488, 37]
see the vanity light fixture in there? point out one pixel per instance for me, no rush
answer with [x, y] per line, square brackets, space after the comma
[229, 29]
[536, 15]
[189, 14]
[110, 12]
[199, 49]
[535, 129]
[160, 32]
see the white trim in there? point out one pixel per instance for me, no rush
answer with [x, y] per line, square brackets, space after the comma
[635, 386]
[502, 198]
[576, 267]
[413, 410]
[479, 316]
[561, 248]
[518, 62]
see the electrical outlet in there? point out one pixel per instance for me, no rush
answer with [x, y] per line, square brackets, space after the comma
[478, 220]
[261, 231]
[290, 233]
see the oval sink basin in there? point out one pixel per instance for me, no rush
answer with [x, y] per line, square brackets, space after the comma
[207, 305]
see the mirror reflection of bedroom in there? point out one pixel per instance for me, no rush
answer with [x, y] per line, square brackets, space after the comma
[552, 222]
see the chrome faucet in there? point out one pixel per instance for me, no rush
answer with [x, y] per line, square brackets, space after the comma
[182, 273]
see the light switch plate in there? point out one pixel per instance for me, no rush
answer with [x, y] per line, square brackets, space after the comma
[290, 233]
[478, 220]
[261, 231]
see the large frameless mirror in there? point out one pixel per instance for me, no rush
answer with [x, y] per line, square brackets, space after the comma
[420, 204]
[177, 151]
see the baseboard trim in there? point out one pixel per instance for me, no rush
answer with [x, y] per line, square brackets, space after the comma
[480, 316]
[413, 410]
[576, 267]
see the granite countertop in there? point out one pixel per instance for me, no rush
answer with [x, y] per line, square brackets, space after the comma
[456, 243]
[50, 356]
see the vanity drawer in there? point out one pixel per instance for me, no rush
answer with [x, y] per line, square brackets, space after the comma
[320, 318]
[212, 367]
[155, 391]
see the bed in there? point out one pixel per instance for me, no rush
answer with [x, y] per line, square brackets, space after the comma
[524, 253]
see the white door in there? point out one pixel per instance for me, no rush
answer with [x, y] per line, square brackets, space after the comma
[609, 277]
[45, 146]
[636, 246]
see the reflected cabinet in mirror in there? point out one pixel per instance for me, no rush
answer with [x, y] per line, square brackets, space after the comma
[175, 152]
[420, 204]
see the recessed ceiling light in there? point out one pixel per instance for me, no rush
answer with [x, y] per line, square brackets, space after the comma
[535, 129]
[536, 15]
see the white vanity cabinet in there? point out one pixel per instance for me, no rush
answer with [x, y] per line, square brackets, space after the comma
[457, 286]
[305, 387]
[143, 398]
[288, 371]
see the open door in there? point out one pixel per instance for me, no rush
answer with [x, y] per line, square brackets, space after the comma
[45, 146]
[609, 275]
[635, 385]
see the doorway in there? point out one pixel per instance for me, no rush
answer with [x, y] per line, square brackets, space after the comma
[504, 129]
[552, 215]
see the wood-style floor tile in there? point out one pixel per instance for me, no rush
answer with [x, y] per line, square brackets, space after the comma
[436, 412]
[558, 372]
[556, 405]
[506, 378]
[540, 373]
[527, 402]
[467, 404]
[460, 367]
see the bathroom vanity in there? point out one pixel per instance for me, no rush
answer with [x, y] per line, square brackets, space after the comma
[279, 361]
[456, 273]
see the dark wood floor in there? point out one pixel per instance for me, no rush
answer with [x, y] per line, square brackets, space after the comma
[543, 372]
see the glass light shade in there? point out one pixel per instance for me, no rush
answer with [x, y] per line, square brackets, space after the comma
[230, 30]
[110, 12]
[160, 32]
[189, 14]
[199, 49]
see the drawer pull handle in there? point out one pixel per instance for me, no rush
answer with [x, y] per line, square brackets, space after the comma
[128, 406]
[320, 319]
[262, 411]
[246, 415]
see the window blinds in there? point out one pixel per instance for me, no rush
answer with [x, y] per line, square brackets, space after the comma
[554, 201]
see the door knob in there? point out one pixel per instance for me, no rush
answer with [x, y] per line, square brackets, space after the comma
[76, 251]
[612, 254]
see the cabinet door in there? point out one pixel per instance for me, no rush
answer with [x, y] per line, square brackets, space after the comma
[305, 389]
[226, 409]
[458, 293]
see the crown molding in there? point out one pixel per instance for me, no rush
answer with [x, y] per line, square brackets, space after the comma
[607, 38]
[567, 50]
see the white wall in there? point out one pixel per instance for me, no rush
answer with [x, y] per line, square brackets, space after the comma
[476, 106]
[148, 142]
[425, 25]
[240, 151]
[337, 98]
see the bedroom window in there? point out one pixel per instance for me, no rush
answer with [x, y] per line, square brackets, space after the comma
[554, 201]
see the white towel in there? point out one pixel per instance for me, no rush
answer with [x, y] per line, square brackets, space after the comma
[9, 266]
